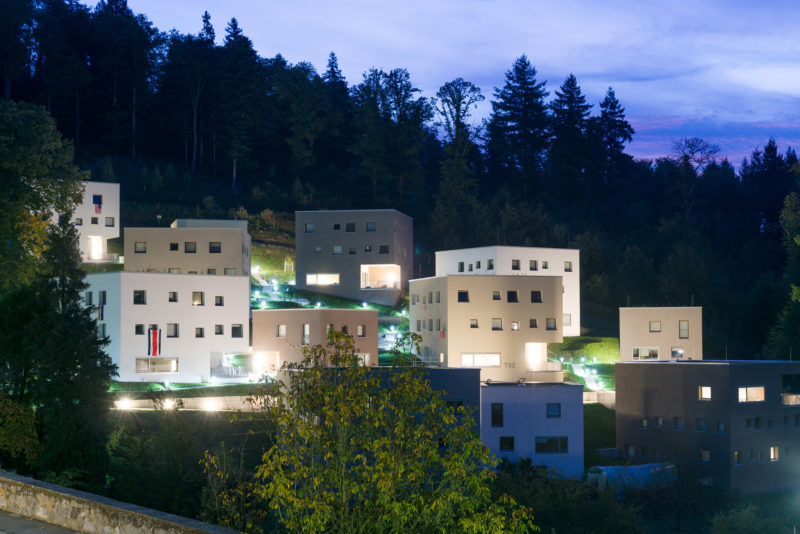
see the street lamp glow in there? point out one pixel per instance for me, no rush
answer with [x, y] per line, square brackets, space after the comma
[364, 304]
[124, 404]
[169, 404]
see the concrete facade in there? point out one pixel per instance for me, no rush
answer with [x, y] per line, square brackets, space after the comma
[190, 246]
[540, 421]
[201, 319]
[661, 333]
[734, 424]
[363, 255]
[97, 220]
[280, 335]
[523, 261]
[500, 324]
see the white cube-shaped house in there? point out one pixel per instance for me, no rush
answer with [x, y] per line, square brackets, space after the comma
[173, 327]
[522, 261]
[190, 246]
[501, 324]
[363, 255]
[661, 333]
[279, 336]
[97, 221]
[540, 421]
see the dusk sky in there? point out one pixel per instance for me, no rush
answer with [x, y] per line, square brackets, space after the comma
[727, 71]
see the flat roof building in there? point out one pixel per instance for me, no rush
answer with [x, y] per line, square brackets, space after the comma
[363, 255]
[190, 246]
[540, 421]
[661, 333]
[522, 261]
[734, 424]
[97, 221]
[500, 324]
[279, 336]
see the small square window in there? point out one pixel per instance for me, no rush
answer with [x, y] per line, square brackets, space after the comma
[473, 323]
[506, 443]
[550, 323]
[533, 323]
[78, 221]
[677, 352]
[139, 296]
[705, 456]
[173, 247]
[308, 228]
[138, 329]
[497, 323]
[350, 227]
[140, 247]
[704, 392]
[198, 298]
[214, 247]
[172, 329]
[190, 247]
[371, 227]
[514, 326]
[351, 251]
[237, 330]
[515, 265]
[533, 265]
[678, 423]
[655, 326]
[93, 220]
[553, 410]
[337, 227]
[337, 250]
[512, 296]
[536, 296]
[199, 332]
[658, 422]
[173, 296]
[383, 249]
[367, 248]
[463, 296]
[219, 300]
[495, 295]
[643, 423]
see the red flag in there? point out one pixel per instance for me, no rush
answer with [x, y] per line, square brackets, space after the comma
[153, 341]
[97, 208]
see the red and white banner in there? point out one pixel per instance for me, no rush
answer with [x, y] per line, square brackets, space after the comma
[153, 341]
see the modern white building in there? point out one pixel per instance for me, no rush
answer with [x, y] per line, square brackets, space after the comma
[190, 246]
[540, 421]
[363, 255]
[173, 327]
[522, 261]
[501, 324]
[97, 220]
[661, 333]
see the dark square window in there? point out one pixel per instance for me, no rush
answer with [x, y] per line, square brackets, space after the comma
[190, 247]
[97, 199]
[515, 265]
[139, 296]
[214, 247]
[554, 444]
[350, 227]
[139, 330]
[506, 443]
[219, 300]
[383, 249]
[337, 226]
[536, 296]
[351, 251]
[463, 296]
[512, 296]
[497, 414]
[371, 227]
[93, 220]
[236, 330]
[553, 409]
[173, 246]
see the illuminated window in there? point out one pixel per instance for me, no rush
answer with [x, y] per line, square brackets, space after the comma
[109, 222]
[497, 323]
[512, 296]
[655, 326]
[550, 323]
[473, 323]
[174, 270]
[309, 228]
[553, 410]
[567, 266]
[237, 330]
[515, 265]
[139, 296]
[317, 250]
[281, 330]
[190, 247]
[214, 247]
[704, 392]
[322, 279]
[480, 360]
[371, 227]
[337, 250]
[536, 296]
[361, 330]
[173, 246]
[645, 353]
[677, 352]
[554, 444]
[172, 329]
[230, 271]
[751, 394]
[514, 325]
[173, 296]
[219, 300]
[497, 414]
[704, 456]
[683, 329]
[506, 443]
[737, 457]
[140, 247]
[199, 332]
[198, 298]
[156, 365]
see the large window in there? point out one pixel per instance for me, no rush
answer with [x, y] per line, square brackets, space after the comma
[683, 329]
[655, 326]
[551, 444]
[322, 279]
[156, 365]
[751, 394]
[380, 276]
[645, 353]
[139, 296]
[550, 323]
[497, 414]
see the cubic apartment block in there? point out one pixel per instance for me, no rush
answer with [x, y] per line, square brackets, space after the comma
[364, 255]
[501, 324]
[175, 327]
[190, 246]
[280, 335]
[540, 421]
[97, 220]
[734, 424]
[665, 333]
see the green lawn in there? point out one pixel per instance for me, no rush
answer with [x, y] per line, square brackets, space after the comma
[599, 432]
[146, 390]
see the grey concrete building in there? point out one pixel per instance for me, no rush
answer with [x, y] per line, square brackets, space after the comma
[735, 424]
[364, 255]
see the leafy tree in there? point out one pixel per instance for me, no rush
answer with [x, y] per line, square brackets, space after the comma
[37, 178]
[19, 442]
[745, 519]
[364, 450]
[518, 129]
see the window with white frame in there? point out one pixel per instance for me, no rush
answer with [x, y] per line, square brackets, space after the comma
[751, 394]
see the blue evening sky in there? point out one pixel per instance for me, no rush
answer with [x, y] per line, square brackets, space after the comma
[727, 71]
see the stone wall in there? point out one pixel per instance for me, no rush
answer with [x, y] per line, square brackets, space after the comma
[84, 512]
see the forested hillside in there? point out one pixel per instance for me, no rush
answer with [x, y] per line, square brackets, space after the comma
[178, 118]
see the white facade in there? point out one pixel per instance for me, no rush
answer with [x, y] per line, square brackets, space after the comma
[97, 220]
[540, 421]
[522, 261]
[201, 320]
